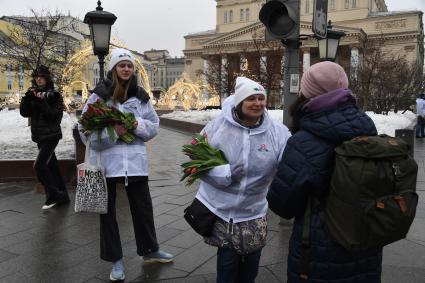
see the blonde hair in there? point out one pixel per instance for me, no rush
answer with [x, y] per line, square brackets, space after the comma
[121, 87]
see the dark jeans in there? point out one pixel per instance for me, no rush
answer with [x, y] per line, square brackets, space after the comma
[420, 125]
[235, 268]
[47, 169]
[142, 214]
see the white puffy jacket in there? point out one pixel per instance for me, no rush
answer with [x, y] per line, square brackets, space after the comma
[121, 159]
[259, 150]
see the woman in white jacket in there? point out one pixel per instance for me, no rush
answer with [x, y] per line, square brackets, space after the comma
[126, 163]
[236, 192]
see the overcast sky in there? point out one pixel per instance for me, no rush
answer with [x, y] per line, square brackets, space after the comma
[158, 24]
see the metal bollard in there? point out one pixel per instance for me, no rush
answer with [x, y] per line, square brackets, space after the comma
[406, 135]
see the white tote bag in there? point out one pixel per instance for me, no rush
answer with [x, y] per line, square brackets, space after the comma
[91, 193]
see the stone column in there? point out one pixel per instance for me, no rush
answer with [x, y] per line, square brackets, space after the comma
[263, 65]
[355, 61]
[223, 77]
[205, 71]
[306, 59]
[243, 63]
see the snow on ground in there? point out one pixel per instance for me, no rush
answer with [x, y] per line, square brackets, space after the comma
[15, 137]
[385, 124]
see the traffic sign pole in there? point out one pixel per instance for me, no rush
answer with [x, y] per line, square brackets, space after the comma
[282, 21]
[291, 80]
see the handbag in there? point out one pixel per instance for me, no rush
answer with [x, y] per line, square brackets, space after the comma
[91, 193]
[200, 218]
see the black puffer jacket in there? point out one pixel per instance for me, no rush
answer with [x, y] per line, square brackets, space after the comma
[46, 115]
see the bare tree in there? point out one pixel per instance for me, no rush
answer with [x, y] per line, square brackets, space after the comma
[217, 75]
[269, 77]
[40, 40]
[270, 54]
[386, 81]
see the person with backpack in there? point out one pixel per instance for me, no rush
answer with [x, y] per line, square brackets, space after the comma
[420, 113]
[324, 116]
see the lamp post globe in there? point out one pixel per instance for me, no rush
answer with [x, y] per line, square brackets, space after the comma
[100, 23]
[328, 46]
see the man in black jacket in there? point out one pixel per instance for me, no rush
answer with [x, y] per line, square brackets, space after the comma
[44, 106]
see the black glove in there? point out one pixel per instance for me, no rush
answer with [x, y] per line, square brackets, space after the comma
[30, 92]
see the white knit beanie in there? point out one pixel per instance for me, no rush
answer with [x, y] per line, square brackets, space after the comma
[245, 87]
[118, 55]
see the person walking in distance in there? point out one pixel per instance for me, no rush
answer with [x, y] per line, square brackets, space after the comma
[126, 163]
[420, 113]
[43, 105]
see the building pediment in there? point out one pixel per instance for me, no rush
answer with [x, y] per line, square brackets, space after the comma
[256, 31]
[239, 35]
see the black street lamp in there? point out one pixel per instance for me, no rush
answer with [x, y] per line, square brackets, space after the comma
[328, 46]
[100, 23]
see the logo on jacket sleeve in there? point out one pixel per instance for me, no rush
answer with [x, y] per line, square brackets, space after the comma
[263, 148]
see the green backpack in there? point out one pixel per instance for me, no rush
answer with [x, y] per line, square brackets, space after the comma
[372, 199]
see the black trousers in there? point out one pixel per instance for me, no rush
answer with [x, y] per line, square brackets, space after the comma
[141, 209]
[47, 169]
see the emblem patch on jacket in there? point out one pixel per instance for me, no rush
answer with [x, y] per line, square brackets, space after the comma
[263, 148]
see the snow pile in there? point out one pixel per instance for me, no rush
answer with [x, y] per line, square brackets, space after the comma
[15, 137]
[385, 124]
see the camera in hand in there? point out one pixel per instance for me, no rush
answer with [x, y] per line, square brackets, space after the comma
[45, 94]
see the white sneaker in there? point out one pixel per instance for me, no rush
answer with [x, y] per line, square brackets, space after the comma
[117, 273]
[48, 204]
[158, 256]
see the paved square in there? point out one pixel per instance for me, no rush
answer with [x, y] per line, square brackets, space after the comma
[62, 246]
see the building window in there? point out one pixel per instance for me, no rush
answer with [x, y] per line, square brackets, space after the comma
[225, 17]
[307, 6]
[242, 15]
[347, 4]
[9, 69]
[332, 5]
[354, 3]
[231, 16]
[247, 14]
[9, 76]
[21, 77]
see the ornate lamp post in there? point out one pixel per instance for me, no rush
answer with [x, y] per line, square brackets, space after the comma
[328, 46]
[100, 23]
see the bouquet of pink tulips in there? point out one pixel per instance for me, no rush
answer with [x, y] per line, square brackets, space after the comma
[203, 158]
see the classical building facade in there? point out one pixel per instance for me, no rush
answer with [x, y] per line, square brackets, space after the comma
[165, 69]
[14, 80]
[73, 40]
[238, 43]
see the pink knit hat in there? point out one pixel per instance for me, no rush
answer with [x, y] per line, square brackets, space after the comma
[322, 78]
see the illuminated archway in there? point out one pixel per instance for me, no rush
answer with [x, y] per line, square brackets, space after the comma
[188, 95]
[73, 71]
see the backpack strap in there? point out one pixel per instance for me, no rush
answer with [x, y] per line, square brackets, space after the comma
[305, 243]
